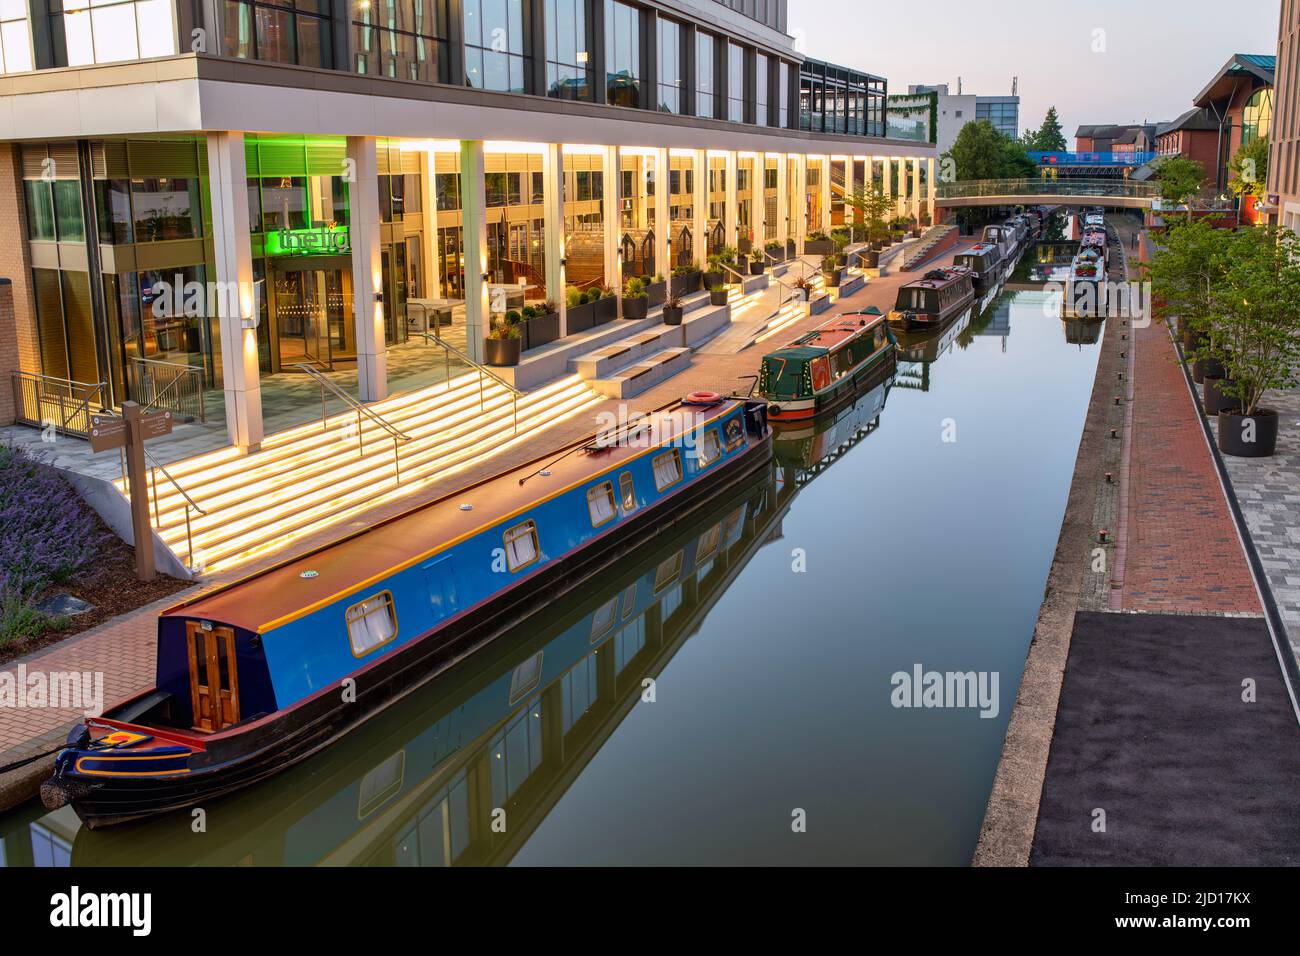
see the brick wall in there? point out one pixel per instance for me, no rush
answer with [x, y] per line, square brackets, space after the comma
[18, 317]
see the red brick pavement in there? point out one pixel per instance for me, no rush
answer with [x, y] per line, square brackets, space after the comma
[1182, 551]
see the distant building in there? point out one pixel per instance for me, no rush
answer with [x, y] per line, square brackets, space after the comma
[1194, 135]
[1240, 102]
[956, 110]
[1282, 203]
[1112, 138]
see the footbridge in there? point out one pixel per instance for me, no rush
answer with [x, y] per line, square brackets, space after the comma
[1037, 191]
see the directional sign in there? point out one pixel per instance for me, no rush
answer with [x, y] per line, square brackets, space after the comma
[107, 432]
[155, 424]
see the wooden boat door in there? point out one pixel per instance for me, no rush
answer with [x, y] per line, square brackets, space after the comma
[214, 681]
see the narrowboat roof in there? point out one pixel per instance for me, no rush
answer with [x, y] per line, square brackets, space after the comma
[825, 337]
[259, 602]
[980, 249]
[936, 279]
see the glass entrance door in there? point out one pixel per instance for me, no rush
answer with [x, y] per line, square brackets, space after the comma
[312, 313]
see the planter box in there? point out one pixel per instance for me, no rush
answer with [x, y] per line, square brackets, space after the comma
[718, 298]
[818, 247]
[1248, 436]
[869, 259]
[1215, 400]
[756, 267]
[685, 285]
[581, 317]
[606, 309]
[657, 291]
[540, 330]
[501, 352]
[636, 308]
[832, 279]
[776, 255]
[672, 316]
[713, 278]
[790, 249]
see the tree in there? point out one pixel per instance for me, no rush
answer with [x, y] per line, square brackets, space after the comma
[1249, 168]
[1255, 328]
[1184, 272]
[981, 152]
[1180, 179]
[873, 207]
[1049, 137]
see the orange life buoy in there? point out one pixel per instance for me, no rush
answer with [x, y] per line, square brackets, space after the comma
[703, 398]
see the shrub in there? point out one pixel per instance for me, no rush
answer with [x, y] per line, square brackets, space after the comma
[635, 288]
[513, 317]
[573, 297]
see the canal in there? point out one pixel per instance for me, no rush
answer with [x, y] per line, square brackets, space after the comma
[727, 696]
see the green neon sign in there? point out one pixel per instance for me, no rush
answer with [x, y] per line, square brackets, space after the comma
[330, 240]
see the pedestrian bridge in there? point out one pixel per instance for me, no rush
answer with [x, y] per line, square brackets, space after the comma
[1034, 192]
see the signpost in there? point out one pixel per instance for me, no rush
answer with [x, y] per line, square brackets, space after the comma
[129, 433]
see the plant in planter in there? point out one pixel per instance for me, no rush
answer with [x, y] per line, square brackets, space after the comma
[831, 271]
[501, 347]
[686, 279]
[803, 289]
[673, 310]
[541, 324]
[718, 294]
[716, 273]
[840, 238]
[636, 299]
[817, 243]
[775, 251]
[1255, 333]
[872, 207]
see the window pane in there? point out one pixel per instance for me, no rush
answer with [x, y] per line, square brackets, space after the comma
[40, 209]
[67, 210]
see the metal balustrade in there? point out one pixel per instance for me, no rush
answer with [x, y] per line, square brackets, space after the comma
[170, 386]
[63, 404]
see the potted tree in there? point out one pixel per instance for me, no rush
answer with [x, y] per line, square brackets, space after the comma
[803, 290]
[501, 347]
[1183, 272]
[1255, 333]
[715, 274]
[718, 294]
[831, 271]
[673, 310]
[840, 237]
[636, 299]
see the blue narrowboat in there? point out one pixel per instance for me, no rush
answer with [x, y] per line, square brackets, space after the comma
[260, 674]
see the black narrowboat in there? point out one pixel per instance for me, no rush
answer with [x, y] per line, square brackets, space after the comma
[932, 301]
[984, 263]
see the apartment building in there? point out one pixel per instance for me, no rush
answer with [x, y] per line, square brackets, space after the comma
[1283, 200]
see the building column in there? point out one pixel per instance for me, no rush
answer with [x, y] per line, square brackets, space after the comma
[931, 186]
[238, 308]
[782, 199]
[473, 210]
[916, 188]
[611, 216]
[432, 264]
[367, 270]
[758, 199]
[700, 206]
[801, 201]
[901, 184]
[731, 200]
[553, 228]
[827, 194]
[850, 189]
[663, 221]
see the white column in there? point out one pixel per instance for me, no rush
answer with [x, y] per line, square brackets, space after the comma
[916, 188]
[850, 189]
[367, 270]
[612, 215]
[473, 209]
[782, 200]
[663, 222]
[800, 162]
[931, 186]
[233, 258]
[827, 193]
[553, 224]
[731, 200]
[429, 196]
[700, 204]
[758, 199]
[901, 188]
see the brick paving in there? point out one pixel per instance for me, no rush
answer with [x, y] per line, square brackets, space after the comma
[1182, 553]
[123, 649]
[1268, 490]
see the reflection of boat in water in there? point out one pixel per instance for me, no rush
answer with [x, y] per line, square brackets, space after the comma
[813, 446]
[1081, 331]
[918, 351]
[248, 674]
[508, 729]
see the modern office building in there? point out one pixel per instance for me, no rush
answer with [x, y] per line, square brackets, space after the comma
[207, 196]
[955, 110]
[1239, 100]
[1283, 192]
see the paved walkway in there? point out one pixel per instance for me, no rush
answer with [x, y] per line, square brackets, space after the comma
[124, 648]
[1268, 490]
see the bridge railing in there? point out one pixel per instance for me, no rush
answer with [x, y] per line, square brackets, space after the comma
[1091, 159]
[1094, 188]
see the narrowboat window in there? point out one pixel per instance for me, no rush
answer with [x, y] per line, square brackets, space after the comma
[372, 623]
[733, 525]
[628, 491]
[629, 601]
[381, 784]
[521, 545]
[710, 448]
[668, 469]
[708, 543]
[526, 677]
[600, 504]
[667, 571]
[603, 620]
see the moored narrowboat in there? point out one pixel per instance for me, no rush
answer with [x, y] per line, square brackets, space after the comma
[931, 301]
[984, 263]
[825, 368]
[259, 674]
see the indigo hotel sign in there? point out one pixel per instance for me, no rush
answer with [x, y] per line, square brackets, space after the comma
[323, 240]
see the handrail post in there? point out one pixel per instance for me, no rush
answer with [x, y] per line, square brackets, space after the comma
[361, 442]
[153, 493]
[397, 462]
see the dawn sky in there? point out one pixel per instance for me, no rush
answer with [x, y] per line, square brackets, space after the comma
[1158, 53]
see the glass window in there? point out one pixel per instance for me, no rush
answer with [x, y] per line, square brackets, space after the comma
[281, 31]
[521, 545]
[622, 54]
[113, 209]
[1257, 117]
[165, 208]
[406, 39]
[761, 90]
[735, 83]
[40, 209]
[69, 223]
[604, 618]
[372, 623]
[705, 89]
[670, 66]
[104, 31]
[526, 677]
[710, 448]
[628, 492]
[783, 96]
[600, 504]
[668, 469]
[495, 53]
[567, 60]
[667, 571]
[15, 39]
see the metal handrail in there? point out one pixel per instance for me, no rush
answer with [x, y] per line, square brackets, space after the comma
[360, 408]
[449, 350]
[64, 393]
[190, 503]
[193, 370]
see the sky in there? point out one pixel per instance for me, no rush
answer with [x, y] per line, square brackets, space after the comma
[1098, 61]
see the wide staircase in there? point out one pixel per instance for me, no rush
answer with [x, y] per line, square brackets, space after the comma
[224, 509]
[929, 245]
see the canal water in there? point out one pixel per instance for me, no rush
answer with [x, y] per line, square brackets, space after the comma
[728, 695]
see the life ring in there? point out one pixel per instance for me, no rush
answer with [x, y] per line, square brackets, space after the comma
[703, 398]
